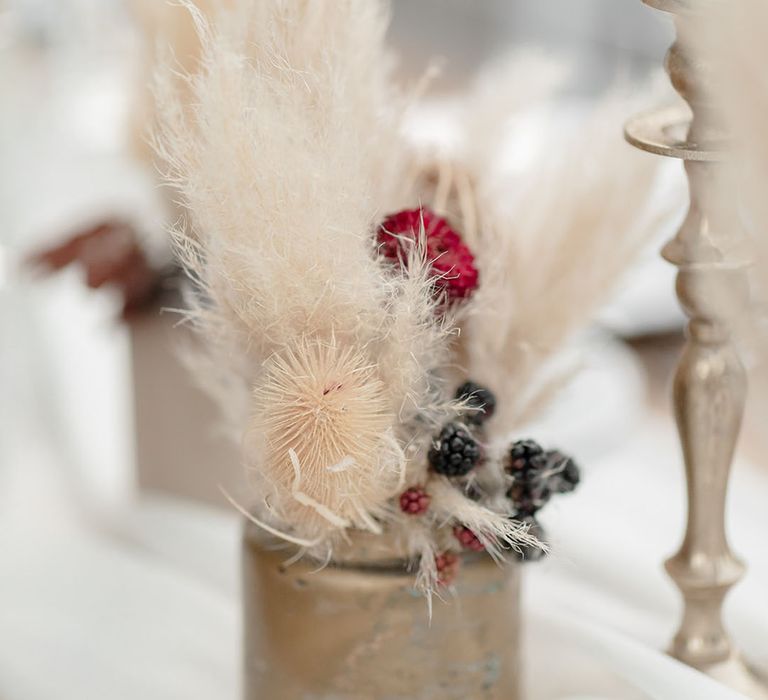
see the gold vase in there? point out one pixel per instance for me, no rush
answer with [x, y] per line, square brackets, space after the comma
[359, 631]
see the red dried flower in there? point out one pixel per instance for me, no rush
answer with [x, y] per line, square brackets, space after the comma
[450, 259]
[467, 538]
[414, 501]
[447, 565]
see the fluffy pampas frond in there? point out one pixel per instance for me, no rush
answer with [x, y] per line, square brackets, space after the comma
[551, 247]
[553, 229]
[494, 530]
[161, 23]
[284, 157]
[335, 366]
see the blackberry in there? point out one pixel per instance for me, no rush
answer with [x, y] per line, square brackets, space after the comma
[530, 490]
[473, 492]
[529, 494]
[528, 552]
[455, 452]
[564, 473]
[480, 399]
[526, 456]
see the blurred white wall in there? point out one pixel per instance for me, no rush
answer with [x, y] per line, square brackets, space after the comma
[604, 38]
[66, 71]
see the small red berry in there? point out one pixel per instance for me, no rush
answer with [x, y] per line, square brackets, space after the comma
[467, 538]
[447, 565]
[414, 501]
[452, 263]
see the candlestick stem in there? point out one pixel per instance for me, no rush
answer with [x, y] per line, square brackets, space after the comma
[710, 384]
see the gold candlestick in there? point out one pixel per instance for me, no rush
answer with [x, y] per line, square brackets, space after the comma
[710, 382]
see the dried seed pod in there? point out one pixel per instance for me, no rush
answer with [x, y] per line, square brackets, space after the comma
[321, 439]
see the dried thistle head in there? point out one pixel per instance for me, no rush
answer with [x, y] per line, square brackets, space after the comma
[321, 438]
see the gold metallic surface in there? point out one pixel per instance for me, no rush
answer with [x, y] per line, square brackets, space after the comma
[710, 383]
[665, 133]
[680, 7]
[362, 632]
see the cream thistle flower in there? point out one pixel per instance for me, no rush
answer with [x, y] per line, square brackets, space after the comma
[326, 452]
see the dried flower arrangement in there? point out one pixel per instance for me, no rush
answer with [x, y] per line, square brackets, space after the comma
[344, 341]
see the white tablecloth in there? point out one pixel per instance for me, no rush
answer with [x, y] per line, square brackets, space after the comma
[148, 607]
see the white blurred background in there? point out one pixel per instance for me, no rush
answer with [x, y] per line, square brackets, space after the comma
[118, 573]
[70, 78]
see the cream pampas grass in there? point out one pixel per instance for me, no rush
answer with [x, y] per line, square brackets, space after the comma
[284, 157]
[162, 24]
[552, 244]
[334, 366]
[496, 530]
[552, 259]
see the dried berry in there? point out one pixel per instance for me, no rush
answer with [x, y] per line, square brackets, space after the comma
[526, 456]
[414, 501]
[478, 398]
[455, 452]
[529, 494]
[473, 492]
[528, 552]
[450, 260]
[467, 538]
[564, 473]
[447, 565]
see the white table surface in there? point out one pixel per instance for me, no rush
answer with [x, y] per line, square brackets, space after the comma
[141, 600]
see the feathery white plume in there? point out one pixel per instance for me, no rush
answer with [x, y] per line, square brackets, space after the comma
[550, 247]
[284, 158]
[333, 363]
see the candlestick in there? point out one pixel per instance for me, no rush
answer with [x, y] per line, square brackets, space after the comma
[710, 383]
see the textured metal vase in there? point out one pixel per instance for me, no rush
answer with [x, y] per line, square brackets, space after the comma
[360, 631]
